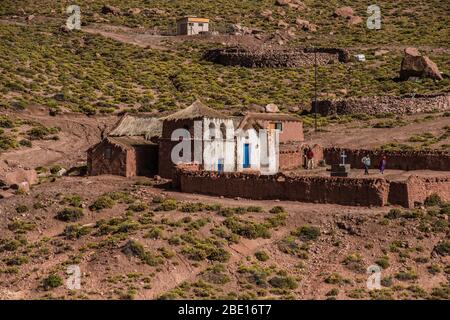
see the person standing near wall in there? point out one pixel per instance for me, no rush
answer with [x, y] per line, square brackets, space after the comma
[382, 165]
[310, 157]
[366, 163]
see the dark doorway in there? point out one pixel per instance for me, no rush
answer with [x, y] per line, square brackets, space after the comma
[146, 160]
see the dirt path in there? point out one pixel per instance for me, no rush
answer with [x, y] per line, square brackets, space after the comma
[78, 133]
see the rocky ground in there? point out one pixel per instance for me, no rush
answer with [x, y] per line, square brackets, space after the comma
[134, 239]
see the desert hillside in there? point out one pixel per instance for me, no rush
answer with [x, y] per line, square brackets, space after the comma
[62, 91]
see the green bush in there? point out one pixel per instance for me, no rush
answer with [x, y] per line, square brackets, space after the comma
[443, 248]
[433, 200]
[261, 255]
[277, 209]
[51, 282]
[283, 282]
[137, 207]
[21, 208]
[70, 214]
[75, 231]
[247, 229]
[307, 232]
[393, 214]
[167, 205]
[104, 202]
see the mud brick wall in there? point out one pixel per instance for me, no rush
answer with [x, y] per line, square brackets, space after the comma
[407, 104]
[419, 188]
[402, 160]
[365, 192]
[121, 162]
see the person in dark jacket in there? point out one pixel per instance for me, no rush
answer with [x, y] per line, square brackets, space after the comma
[382, 165]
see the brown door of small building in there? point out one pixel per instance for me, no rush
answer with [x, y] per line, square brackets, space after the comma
[146, 160]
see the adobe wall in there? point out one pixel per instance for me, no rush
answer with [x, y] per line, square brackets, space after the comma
[407, 104]
[343, 191]
[402, 160]
[419, 188]
[117, 165]
[366, 192]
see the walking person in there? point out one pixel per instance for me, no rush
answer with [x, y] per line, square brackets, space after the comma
[310, 156]
[366, 163]
[382, 165]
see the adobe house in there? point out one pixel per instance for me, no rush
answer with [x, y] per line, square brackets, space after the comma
[199, 135]
[190, 25]
[291, 137]
[130, 149]
[222, 143]
[206, 120]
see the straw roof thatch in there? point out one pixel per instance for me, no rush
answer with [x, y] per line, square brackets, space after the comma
[254, 120]
[197, 110]
[131, 125]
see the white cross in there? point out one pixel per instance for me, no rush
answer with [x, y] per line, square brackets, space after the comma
[343, 156]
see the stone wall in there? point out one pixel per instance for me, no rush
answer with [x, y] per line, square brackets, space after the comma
[401, 160]
[343, 191]
[119, 164]
[271, 57]
[407, 104]
[366, 192]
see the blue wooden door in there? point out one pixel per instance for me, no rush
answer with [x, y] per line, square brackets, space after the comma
[246, 155]
[220, 166]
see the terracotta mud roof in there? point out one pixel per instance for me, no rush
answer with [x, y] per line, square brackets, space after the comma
[128, 142]
[253, 119]
[131, 125]
[197, 110]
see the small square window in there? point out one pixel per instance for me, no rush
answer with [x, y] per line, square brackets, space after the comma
[200, 24]
[279, 126]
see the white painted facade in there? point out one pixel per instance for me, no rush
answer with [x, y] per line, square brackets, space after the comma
[222, 144]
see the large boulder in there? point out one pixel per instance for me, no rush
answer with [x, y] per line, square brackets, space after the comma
[305, 25]
[354, 20]
[416, 65]
[107, 9]
[20, 178]
[344, 12]
[271, 108]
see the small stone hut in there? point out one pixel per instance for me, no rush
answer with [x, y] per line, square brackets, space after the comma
[130, 149]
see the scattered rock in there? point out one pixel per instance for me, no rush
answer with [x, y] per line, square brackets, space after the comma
[416, 65]
[282, 2]
[266, 13]
[61, 172]
[107, 9]
[354, 20]
[294, 109]
[5, 194]
[30, 17]
[283, 24]
[271, 108]
[17, 177]
[305, 25]
[134, 11]
[344, 12]
[64, 29]
[381, 52]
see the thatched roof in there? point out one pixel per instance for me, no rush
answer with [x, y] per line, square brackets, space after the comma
[197, 110]
[132, 125]
[254, 119]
